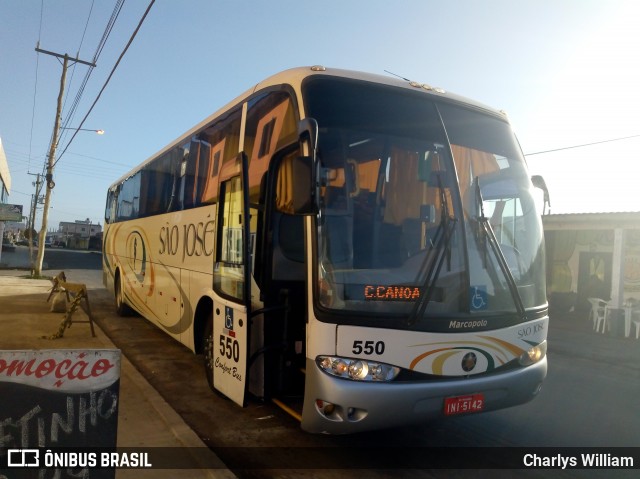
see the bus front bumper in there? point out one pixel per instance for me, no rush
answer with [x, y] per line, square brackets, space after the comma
[339, 406]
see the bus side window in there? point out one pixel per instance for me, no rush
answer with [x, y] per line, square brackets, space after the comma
[129, 198]
[219, 144]
[179, 158]
[288, 229]
[189, 179]
[109, 212]
[228, 275]
[157, 186]
[271, 125]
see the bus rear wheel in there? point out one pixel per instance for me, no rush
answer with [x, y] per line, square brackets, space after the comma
[122, 308]
[207, 349]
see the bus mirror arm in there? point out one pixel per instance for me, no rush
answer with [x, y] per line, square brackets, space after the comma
[304, 170]
[308, 131]
[538, 182]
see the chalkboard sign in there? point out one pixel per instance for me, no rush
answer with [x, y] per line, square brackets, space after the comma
[59, 399]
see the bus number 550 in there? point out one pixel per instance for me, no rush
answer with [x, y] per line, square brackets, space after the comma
[368, 347]
[229, 347]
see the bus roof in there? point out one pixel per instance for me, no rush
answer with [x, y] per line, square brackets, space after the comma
[295, 77]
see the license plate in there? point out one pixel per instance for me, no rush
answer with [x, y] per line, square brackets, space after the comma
[463, 404]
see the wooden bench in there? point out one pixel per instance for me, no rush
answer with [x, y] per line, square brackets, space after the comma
[79, 292]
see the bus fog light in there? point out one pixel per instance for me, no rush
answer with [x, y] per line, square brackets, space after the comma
[533, 354]
[357, 369]
[325, 407]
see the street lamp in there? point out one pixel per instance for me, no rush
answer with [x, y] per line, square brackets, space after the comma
[99, 132]
[37, 266]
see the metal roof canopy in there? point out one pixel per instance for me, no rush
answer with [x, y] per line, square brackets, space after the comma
[629, 220]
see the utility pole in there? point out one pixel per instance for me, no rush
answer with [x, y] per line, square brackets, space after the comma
[37, 270]
[32, 216]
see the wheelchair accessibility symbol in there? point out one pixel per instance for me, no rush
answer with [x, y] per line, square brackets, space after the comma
[228, 317]
[478, 298]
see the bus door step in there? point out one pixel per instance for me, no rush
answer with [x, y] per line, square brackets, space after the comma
[291, 405]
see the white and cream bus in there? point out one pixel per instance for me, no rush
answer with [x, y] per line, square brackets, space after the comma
[367, 246]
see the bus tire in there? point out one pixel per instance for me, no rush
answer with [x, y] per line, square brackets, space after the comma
[207, 349]
[122, 308]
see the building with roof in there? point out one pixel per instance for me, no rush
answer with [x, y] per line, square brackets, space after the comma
[593, 255]
[5, 177]
[80, 234]
[7, 212]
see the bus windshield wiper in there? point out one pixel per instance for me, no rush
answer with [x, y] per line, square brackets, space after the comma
[439, 250]
[486, 233]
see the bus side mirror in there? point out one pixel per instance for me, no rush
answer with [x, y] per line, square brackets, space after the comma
[538, 182]
[304, 169]
[303, 185]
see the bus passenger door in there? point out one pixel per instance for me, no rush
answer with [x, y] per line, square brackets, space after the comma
[231, 283]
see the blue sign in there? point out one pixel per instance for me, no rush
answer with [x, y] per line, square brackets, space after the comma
[228, 318]
[478, 298]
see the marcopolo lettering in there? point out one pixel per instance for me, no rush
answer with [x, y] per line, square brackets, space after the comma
[467, 324]
[193, 239]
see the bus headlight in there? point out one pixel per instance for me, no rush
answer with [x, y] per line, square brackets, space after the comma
[533, 354]
[357, 369]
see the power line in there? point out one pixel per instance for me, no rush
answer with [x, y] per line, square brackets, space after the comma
[33, 109]
[16, 156]
[20, 193]
[73, 72]
[107, 32]
[99, 48]
[35, 86]
[86, 25]
[144, 16]
[127, 165]
[580, 146]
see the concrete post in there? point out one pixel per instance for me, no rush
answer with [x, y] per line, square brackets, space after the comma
[616, 304]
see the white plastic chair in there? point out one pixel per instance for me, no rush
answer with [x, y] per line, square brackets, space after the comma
[598, 313]
[631, 311]
[635, 320]
[627, 320]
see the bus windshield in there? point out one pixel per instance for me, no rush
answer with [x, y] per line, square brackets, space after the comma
[404, 183]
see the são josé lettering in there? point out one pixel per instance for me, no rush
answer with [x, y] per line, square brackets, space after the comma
[196, 239]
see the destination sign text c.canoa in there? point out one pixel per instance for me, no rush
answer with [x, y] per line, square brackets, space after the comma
[391, 293]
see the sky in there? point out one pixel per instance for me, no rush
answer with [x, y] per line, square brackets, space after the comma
[567, 72]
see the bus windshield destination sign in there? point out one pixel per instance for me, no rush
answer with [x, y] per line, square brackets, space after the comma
[391, 293]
